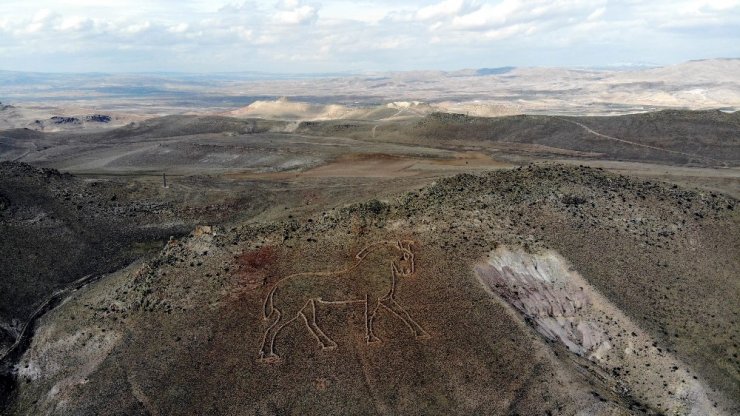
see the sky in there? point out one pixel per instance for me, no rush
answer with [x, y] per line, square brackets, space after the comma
[305, 36]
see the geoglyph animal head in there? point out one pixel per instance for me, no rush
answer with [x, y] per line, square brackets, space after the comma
[405, 266]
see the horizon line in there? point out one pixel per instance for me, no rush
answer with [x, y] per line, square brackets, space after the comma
[607, 66]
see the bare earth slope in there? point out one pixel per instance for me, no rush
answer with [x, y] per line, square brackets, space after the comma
[673, 137]
[539, 290]
[189, 144]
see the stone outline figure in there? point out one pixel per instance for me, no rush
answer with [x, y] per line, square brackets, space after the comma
[283, 314]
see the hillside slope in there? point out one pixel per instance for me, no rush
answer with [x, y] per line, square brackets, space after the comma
[58, 228]
[707, 138]
[604, 317]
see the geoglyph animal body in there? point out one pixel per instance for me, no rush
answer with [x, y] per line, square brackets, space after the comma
[295, 297]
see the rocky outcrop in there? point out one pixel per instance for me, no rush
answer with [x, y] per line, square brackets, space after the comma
[4, 203]
[98, 118]
[65, 120]
[564, 308]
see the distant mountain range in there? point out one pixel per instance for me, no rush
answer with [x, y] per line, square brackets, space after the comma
[705, 84]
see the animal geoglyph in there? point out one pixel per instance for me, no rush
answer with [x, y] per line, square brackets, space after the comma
[295, 297]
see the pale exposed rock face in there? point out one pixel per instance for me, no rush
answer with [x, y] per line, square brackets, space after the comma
[291, 110]
[563, 307]
[403, 104]
[65, 361]
[203, 230]
[536, 285]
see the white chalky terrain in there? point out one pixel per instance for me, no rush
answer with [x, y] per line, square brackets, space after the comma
[564, 307]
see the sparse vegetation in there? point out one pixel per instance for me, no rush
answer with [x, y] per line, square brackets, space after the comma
[179, 330]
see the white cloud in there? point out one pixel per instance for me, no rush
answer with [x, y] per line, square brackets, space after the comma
[596, 14]
[517, 12]
[446, 8]
[41, 21]
[178, 28]
[363, 34]
[297, 15]
[136, 28]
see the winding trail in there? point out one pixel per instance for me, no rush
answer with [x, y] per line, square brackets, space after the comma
[18, 159]
[26, 332]
[647, 146]
[11, 357]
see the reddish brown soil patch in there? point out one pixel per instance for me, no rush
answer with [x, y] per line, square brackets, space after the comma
[365, 165]
[253, 265]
